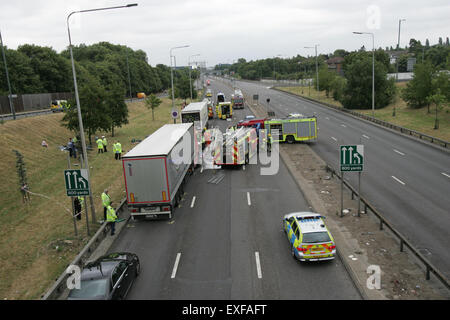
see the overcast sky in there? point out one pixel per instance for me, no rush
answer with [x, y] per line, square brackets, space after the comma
[222, 31]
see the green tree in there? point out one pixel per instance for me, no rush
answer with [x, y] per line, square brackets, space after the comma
[358, 90]
[437, 99]
[152, 102]
[94, 110]
[418, 89]
[326, 78]
[338, 86]
[118, 110]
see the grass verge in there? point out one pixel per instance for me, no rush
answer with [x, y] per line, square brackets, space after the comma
[37, 239]
[414, 119]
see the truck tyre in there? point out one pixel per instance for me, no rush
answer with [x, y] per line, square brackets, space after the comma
[290, 139]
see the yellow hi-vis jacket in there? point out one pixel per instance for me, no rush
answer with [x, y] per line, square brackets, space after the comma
[110, 214]
[106, 200]
[117, 148]
[99, 143]
[105, 143]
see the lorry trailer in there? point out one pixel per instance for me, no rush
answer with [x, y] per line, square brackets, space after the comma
[156, 170]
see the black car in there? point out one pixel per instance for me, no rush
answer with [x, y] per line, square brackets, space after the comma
[107, 278]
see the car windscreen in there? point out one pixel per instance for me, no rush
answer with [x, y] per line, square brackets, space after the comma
[90, 289]
[314, 237]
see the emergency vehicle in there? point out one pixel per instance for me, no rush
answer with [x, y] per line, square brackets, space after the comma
[237, 99]
[58, 105]
[224, 110]
[220, 98]
[210, 110]
[309, 237]
[237, 147]
[208, 93]
[293, 129]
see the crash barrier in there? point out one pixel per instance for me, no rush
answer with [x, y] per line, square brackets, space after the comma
[25, 114]
[430, 268]
[422, 136]
[60, 284]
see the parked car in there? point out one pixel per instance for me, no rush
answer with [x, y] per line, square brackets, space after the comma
[108, 278]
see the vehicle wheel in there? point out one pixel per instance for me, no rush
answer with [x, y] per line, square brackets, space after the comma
[290, 139]
[138, 268]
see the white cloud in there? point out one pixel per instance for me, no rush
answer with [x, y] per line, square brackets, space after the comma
[222, 31]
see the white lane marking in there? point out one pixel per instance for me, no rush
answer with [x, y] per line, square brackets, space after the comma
[327, 118]
[400, 153]
[175, 267]
[248, 199]
[343, 125]
[201, 169]
[334, 138]
[448, 176]
[398, 180]
[258, 265]
[367, 137]
[193, 202]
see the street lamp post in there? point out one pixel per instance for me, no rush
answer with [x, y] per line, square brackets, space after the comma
[189, 64]
[129, 77]
[77, 98]
[373, 69]
[171, 78]
[398, 44]
[317, 66]
[11, 105]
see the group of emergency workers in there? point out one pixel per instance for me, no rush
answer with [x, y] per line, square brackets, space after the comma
[109, 214]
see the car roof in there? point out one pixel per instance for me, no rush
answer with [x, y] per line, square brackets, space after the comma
[308, 221]
[99, 270]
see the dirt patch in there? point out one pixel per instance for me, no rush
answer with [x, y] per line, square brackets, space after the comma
[402, 278]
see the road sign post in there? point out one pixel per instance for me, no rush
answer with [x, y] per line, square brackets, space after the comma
[351, 159]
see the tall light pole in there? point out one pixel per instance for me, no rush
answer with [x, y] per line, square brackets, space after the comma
[398, 44]
[171, 78]
[189, 64]
[373, 69]
[77, 98]
[274, 75]
[11, 105]
[317, 66]
[129, 77]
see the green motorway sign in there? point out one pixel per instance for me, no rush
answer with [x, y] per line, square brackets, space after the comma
[77, 183]
[352, 157]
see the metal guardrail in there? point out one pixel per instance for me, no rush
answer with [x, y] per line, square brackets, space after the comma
[60, 284]
[430, 268]
[420, 135]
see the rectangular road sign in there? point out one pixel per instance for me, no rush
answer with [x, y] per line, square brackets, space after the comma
[77, 183]
[352, 157]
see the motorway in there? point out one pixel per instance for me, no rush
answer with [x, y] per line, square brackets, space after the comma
[226, 241]
[406, 180]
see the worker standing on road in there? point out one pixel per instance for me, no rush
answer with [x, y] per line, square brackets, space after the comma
[105, 143]
[117, 150]
[99, 144]
[106, 201]
[111, 218]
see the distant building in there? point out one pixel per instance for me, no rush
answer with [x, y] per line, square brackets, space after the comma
[335, 64]
[410, 64]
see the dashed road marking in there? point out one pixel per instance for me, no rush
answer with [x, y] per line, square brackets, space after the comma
[175, 266]
[334, 138]
[398, 180]
[258, 265]
[193, 202]
[367, 137]
[400, 153]
[248, 199]
[448, 176]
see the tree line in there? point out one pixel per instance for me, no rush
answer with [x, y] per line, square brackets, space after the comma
[102, 78]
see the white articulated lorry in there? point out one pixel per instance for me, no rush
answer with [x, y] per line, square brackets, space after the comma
[156, 169]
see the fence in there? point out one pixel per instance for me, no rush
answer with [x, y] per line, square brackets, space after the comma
[403, 241]
[60, 285]
[30, 102]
